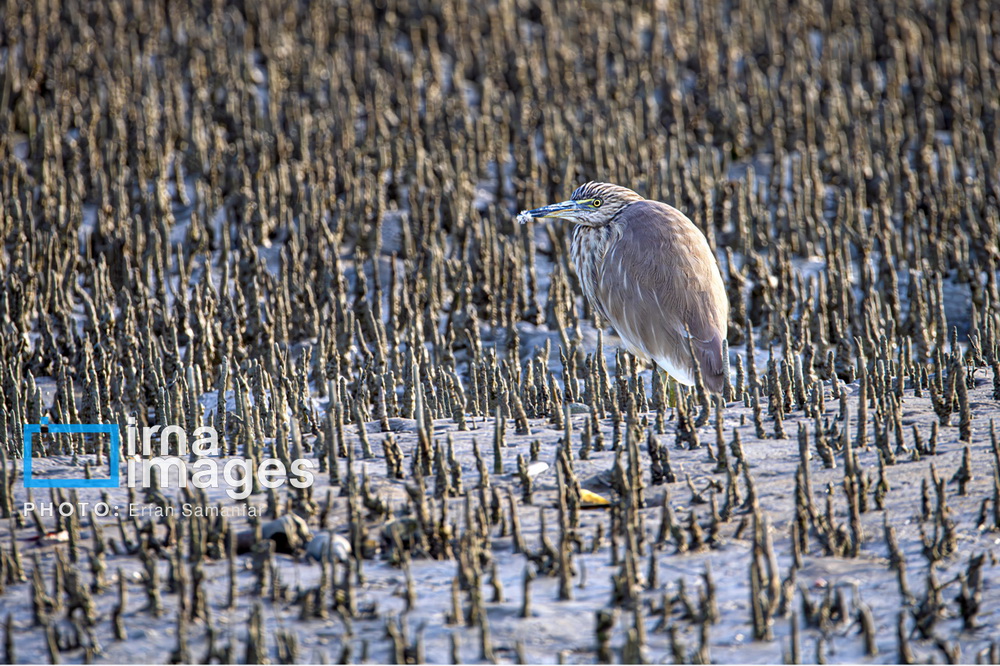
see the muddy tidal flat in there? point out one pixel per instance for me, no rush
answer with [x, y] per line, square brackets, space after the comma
[345, 408]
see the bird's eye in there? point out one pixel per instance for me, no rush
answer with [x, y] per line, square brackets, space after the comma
[597, 203]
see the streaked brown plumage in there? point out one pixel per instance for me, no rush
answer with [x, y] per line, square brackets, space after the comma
[650, 271]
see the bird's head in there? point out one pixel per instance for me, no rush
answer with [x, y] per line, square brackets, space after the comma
[592, 205]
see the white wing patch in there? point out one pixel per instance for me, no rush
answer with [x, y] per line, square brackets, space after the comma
[679, 372]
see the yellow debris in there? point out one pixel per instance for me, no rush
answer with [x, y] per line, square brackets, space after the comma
[589, 500]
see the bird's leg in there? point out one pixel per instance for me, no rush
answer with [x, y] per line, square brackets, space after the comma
[671, 385]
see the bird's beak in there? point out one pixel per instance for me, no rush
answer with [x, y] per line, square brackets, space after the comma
[562, 209]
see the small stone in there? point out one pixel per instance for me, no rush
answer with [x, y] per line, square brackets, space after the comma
[338, 545]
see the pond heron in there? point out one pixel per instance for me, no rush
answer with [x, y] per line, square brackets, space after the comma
[649, 271]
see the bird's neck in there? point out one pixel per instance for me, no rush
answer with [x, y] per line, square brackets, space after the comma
[589, 247]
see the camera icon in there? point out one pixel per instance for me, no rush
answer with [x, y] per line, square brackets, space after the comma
[72, 429]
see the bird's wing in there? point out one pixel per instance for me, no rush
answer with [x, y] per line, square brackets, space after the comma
[659, 282]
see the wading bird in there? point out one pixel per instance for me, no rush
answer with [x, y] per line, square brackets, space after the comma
[650, 272]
